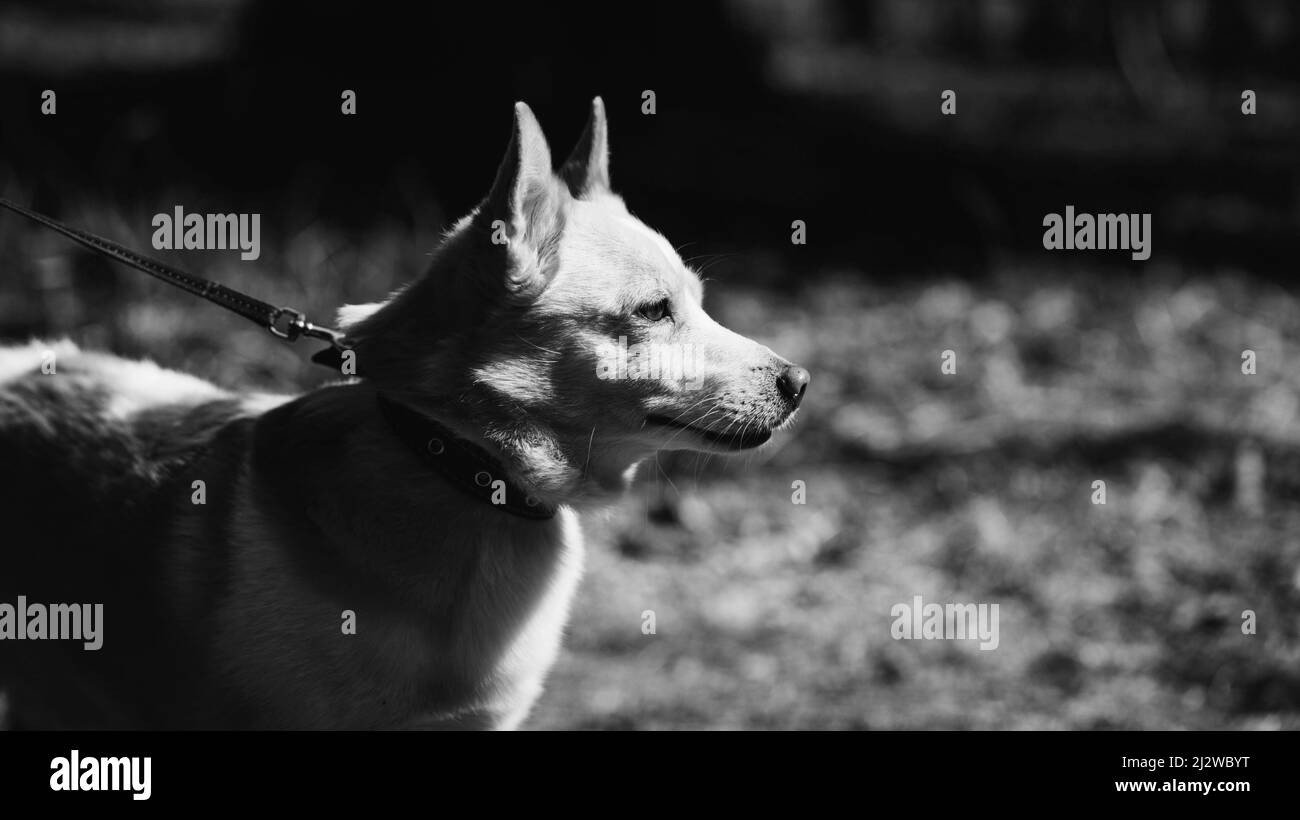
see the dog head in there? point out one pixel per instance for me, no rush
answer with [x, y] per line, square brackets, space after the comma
[560, 330]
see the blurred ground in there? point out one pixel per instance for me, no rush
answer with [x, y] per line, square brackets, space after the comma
[974, 487]
[971, 487]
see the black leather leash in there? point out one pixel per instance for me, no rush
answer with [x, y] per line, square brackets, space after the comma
[284, 322]
[462, 463]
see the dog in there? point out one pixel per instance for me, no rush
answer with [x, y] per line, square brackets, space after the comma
[395, 550]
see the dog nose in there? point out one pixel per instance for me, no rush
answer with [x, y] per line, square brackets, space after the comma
[793, 381]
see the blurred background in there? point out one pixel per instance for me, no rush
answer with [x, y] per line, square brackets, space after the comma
[924, 234]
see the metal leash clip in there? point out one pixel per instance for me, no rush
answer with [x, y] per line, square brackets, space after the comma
[298, 326]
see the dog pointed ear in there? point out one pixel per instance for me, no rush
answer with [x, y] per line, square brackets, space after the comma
[525, 209]
[587, 168]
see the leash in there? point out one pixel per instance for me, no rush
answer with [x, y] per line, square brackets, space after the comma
[284, 323]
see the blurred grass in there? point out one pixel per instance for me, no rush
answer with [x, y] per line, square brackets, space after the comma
[971, 487]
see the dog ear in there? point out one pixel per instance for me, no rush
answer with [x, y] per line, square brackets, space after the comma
[587, 168]
[525, 209]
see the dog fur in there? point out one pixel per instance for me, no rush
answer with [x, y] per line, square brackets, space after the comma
[227, 614]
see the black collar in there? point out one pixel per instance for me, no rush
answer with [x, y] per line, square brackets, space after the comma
[463, 464]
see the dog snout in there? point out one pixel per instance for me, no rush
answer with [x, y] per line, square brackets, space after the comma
[793, 383]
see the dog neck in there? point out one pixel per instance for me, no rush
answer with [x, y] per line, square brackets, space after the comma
[555, 467]
[463, 464]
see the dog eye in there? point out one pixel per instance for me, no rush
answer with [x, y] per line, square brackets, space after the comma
[655, 312]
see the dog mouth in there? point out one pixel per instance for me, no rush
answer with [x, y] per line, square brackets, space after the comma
[744, 439]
